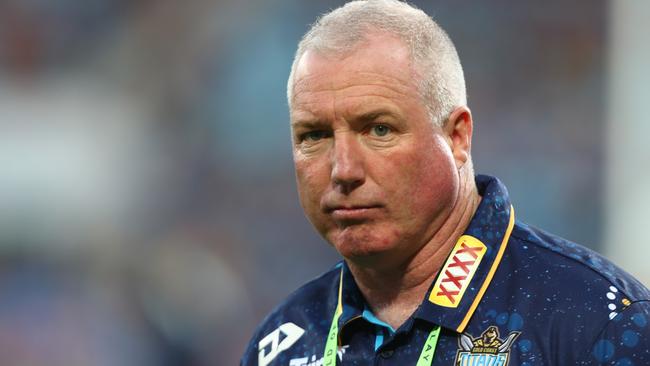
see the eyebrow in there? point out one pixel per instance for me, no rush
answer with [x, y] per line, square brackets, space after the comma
[308, 123]
[365, 117]
[372, 115]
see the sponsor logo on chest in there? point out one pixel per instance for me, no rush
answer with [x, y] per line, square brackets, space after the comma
[314, 361]
[277, 341]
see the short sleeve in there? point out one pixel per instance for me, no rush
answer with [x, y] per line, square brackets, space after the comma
[624, 341]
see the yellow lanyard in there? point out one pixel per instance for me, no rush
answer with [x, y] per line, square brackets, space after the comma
[329, 359]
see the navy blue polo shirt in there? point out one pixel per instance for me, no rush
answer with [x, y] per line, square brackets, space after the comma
[508, 294]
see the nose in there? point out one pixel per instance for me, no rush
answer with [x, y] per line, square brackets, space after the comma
[348, 171]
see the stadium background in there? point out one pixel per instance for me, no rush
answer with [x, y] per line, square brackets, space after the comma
[148, 213]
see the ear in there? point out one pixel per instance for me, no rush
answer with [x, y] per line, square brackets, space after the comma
[458, 130]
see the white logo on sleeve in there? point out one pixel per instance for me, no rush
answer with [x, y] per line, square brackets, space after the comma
[290, 333]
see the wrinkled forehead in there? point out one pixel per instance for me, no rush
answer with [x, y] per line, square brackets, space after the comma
[381, 57]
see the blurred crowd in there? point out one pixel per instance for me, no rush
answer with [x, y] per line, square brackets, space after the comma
[148, 213]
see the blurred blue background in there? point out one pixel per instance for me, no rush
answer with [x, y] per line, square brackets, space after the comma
[148, 213]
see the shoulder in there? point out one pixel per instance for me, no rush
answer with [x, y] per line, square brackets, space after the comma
[574, 267]
[567, 300]
[307, 309]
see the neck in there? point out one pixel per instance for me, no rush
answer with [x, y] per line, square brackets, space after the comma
[394, 293]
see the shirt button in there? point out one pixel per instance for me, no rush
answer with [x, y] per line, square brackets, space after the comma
[388, 353]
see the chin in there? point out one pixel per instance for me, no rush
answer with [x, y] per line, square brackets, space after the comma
[358, 243]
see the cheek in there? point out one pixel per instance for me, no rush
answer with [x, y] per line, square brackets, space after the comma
[437, 177]
[311, 180]
[430, 179]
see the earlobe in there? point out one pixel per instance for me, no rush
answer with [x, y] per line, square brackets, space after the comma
[459, 128]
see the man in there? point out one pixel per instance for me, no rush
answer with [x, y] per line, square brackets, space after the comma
[436, 269]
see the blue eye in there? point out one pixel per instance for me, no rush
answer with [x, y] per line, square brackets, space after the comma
[380, 130]
[313, 136]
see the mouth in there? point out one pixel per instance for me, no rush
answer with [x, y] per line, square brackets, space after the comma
[353, 212]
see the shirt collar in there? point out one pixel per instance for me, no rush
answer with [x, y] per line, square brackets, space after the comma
[353, 302]
[470, 266]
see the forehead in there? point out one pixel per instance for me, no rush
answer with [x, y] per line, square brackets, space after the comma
[380, 66]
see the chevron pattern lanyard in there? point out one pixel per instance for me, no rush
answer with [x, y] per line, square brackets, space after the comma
[329, 358]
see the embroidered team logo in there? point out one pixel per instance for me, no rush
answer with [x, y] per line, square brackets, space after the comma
[457, 272]
[488, 349]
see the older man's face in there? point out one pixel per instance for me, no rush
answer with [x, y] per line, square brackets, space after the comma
[375, 176]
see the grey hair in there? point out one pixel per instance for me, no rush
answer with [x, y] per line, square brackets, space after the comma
[441, 84]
